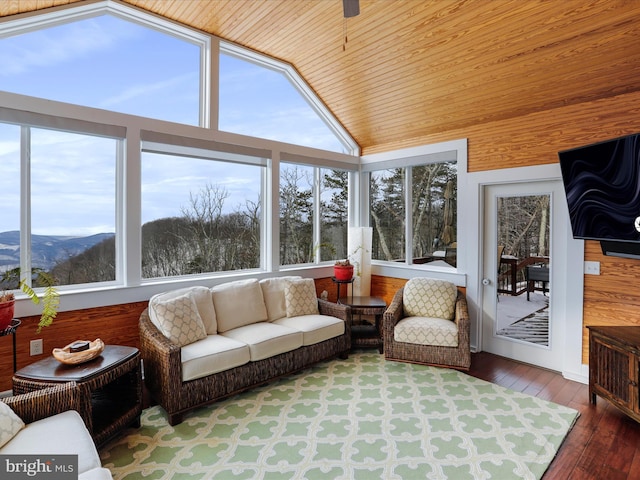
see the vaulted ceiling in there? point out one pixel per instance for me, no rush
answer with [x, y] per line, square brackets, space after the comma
[406, 69]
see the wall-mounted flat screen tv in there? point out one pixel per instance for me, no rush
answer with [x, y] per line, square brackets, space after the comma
[602, 184]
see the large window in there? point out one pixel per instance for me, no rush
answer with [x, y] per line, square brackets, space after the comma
[71, 220]
[200, 215]
[433, 213]
[429, 193]
[262, 101]
[130, 68]
[311, 196]
[296, 214]
[334, 195]
[387, 209]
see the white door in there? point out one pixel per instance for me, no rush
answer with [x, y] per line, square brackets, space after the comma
[520, 317]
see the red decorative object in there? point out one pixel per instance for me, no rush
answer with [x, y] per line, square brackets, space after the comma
[6, 313]
[343, 272]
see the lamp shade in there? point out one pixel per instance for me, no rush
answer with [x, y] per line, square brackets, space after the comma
[359, 248]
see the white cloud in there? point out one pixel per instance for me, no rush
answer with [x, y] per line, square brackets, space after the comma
[146, 90]
[58, 45]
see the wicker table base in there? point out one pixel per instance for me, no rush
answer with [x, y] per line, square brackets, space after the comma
[364, 334]
[112, 381]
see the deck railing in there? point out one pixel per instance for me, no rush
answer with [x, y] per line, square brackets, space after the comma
[512, 273]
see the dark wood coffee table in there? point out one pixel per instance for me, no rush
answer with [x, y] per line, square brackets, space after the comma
[364, 334]
[112, 381]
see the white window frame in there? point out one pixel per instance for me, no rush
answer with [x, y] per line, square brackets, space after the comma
[39, 20]
[292, 75]
[28, 120]
[153, 142]
[455, 150]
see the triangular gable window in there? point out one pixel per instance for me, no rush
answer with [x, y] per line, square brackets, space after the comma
[103, 60]
[264, 98]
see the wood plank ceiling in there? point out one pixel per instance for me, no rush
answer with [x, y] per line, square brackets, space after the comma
[414, 68]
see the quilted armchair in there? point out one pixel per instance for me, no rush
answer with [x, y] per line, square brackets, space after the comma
[428, 322]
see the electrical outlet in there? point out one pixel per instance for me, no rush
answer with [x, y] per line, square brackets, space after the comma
[592, 268]
[36, 347]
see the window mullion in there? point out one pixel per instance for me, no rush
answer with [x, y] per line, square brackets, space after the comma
[408, 214]
[317, 210]
[25, 204]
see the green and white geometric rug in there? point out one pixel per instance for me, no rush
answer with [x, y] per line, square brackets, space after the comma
[358, 419]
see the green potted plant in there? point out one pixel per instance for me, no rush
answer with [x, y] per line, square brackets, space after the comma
[50, 298]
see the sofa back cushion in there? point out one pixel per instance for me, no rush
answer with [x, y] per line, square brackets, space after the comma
[10, 423]
[273, 293]
[300, 297]
[428, 297]
[179, 319]
[238, 303]
[204, 302]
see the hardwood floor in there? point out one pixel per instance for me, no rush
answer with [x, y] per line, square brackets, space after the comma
[604, 444]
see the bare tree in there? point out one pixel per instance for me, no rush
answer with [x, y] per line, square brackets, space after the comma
[204, 222]
[296, 217]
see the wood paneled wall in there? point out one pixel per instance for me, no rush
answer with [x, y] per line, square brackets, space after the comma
[383, 287]
[611, 298]
[117, 324]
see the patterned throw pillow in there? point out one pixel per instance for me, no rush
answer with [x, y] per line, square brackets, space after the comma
[179, 320]
[428, 297]
[10, 423]
[300, 297]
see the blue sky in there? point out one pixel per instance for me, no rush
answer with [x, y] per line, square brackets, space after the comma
[113, 64]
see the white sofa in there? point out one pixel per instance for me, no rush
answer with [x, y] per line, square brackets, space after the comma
[46, 423]
[200, 344]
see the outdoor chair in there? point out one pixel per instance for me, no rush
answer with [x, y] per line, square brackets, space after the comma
[427, 322]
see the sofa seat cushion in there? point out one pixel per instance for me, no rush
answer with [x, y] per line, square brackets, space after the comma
[213, 354]
[266, 339]
[314, 328]
[427, 331]
[238, 304]
[66, 427]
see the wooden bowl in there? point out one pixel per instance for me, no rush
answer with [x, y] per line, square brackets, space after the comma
[64, 355]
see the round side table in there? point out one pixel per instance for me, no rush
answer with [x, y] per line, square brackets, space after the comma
[364, 334]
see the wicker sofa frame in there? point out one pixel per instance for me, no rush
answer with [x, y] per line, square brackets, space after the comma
[455, 357]
[163, 369]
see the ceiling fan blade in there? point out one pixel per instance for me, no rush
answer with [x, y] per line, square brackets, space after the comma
[351, 8]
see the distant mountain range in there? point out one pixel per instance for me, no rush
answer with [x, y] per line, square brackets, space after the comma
[47, 250]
